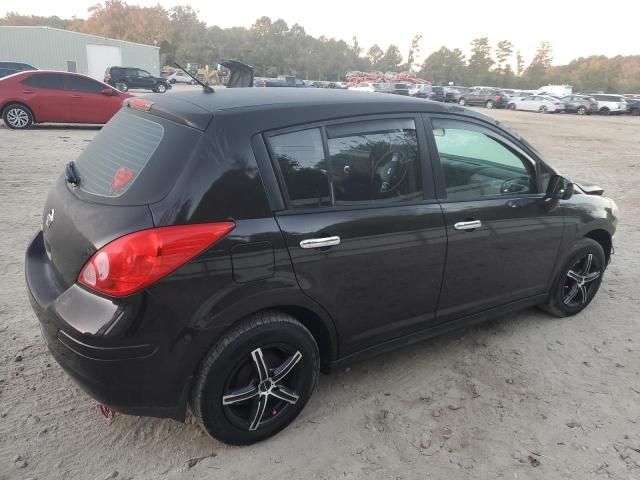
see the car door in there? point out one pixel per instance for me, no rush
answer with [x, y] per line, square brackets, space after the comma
[570, 103]
[44, 93]
[502, 240]
[145, 80]
[364, 233]
[88, 103]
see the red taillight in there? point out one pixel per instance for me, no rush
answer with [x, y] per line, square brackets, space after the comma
[135, 261]
[140, 104]
[498, 98]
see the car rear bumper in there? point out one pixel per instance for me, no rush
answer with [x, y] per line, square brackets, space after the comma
[83, 332]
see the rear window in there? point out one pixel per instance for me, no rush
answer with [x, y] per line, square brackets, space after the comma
[118, 155]
[135, 159]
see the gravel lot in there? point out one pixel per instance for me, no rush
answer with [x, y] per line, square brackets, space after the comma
[524, 396]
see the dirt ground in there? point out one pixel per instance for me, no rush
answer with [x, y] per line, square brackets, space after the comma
[526, 396]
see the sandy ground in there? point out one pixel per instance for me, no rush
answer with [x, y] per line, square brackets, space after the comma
[524, 396]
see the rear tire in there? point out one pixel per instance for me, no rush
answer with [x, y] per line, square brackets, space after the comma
[512, 106]
[566, 285]
[462, 102]
[581, 111]
[122, 86]
[237, 403]
[604, 111]
[17, 116]
[489, 104]
[543, 109]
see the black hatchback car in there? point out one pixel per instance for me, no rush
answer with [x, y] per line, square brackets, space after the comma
[218, 250]
[124, 78]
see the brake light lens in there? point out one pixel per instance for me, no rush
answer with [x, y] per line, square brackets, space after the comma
[137, 260]
[498, 98]
[140, 104]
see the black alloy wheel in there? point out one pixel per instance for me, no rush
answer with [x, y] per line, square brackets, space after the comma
[256, 379]
[579, 279]
[256, 394]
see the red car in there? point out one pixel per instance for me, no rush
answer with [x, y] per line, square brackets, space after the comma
[59, 97]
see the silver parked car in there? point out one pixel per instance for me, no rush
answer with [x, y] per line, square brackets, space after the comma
[537, 103]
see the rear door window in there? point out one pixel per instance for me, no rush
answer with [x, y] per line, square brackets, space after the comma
[359, 163]
[135, 159]
[301, 159]
[54, 81]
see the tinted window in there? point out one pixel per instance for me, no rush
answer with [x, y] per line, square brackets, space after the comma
[375, 161]
[45, 80]
[143, 73]
[476, 164]
[113, 160]
[300, 156]
[81, 84]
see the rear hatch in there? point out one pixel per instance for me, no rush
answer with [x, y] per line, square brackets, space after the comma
[132, 162]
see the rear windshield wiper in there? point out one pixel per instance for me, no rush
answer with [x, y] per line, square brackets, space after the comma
[71, 175]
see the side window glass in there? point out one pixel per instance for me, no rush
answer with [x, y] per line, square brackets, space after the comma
[300, 156]
[375, 162]
[476, 165]
[45, 80]
[81, 84]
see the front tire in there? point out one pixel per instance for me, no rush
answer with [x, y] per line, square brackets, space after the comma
[543, 109]
[256, 379]
[578, 280]
[161, 88]
[17, 116]
[462, 102]
[581, 111]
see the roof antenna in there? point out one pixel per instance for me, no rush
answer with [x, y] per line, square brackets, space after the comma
[206, 88]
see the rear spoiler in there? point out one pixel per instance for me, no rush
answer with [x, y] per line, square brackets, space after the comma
[241, 74]
[172, 108]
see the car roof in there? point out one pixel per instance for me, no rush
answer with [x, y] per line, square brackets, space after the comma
[282, 98]
[261, 109]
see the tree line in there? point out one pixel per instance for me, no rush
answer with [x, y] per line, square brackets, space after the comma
[274, 47]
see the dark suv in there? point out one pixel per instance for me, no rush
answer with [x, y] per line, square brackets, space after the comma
[487, 97]
[124, 78]
[580, 104]
[219, 249]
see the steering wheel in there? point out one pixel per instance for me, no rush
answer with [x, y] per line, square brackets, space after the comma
[389, 172]
[515, 185]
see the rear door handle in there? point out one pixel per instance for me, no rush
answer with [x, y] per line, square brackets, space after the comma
[320, 242]
[470, 225]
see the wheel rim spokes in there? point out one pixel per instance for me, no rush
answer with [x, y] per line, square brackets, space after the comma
[240, 395]
[259, 412]
[17, 117]
[283, 393]
[580, 281]
[284, 369]
[264, 388]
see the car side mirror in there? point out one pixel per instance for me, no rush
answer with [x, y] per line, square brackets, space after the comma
[559, 188]
[109, 92]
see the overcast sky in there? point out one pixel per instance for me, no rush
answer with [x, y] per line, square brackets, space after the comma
[573, 27]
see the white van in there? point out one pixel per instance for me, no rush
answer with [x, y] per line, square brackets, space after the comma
[555, 90]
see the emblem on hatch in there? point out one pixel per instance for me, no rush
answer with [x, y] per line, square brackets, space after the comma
[49, 219]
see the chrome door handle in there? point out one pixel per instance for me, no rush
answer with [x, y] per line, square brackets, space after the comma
[471, 225]
[320, 242]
